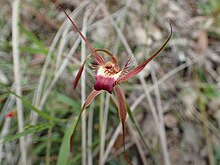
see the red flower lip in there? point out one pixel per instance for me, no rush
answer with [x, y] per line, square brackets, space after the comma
[104, 83]
[107, 76]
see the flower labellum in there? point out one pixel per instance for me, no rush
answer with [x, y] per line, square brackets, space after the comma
[108, 78]
[104, 83]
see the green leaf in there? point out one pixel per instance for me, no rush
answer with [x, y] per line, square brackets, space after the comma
[30, 36]
[34, 45]
[41, 113]
[31, 130]
[210, 91]
[31, 50]
[68, 101]
[65, 146]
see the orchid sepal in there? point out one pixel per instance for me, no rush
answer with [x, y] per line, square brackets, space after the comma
[140, 67]
[97, 56]
[122, 112]
[88, 101]
[80, 72]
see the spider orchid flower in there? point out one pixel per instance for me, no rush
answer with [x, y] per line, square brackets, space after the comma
[108, 77]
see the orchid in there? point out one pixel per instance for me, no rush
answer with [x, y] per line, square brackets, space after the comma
[108, 77]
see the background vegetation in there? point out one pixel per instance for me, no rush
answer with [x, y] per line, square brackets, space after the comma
[179, 90]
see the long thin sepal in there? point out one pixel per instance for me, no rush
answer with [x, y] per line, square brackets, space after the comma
[140, 67]
[89, 99]
[91, 96]
[80, 72]
[122, 115]
[98, 58]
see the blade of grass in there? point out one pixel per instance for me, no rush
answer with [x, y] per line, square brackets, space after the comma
[65, 146]
[101, 109]
[28, 104]
[36, 46]
[105, 120]
[90, 126]
[38, 101]
[68, 101]
[17, 76]
[40, 97]
[83, 90]
[135, 124]
[30, 50]
[33, 39]
[49, 141]
[9, 103]
[138, 143]
[161, 120]
[4, 132]
[204, 117]
[38, 128]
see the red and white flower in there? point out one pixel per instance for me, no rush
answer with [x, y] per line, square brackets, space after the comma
[108, 77]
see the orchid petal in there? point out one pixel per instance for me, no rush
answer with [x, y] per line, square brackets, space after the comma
[127, 64]
[98, 58]
[122, 115]
[109, 54]
[89, 99]
[139, 68]
[80, 72]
